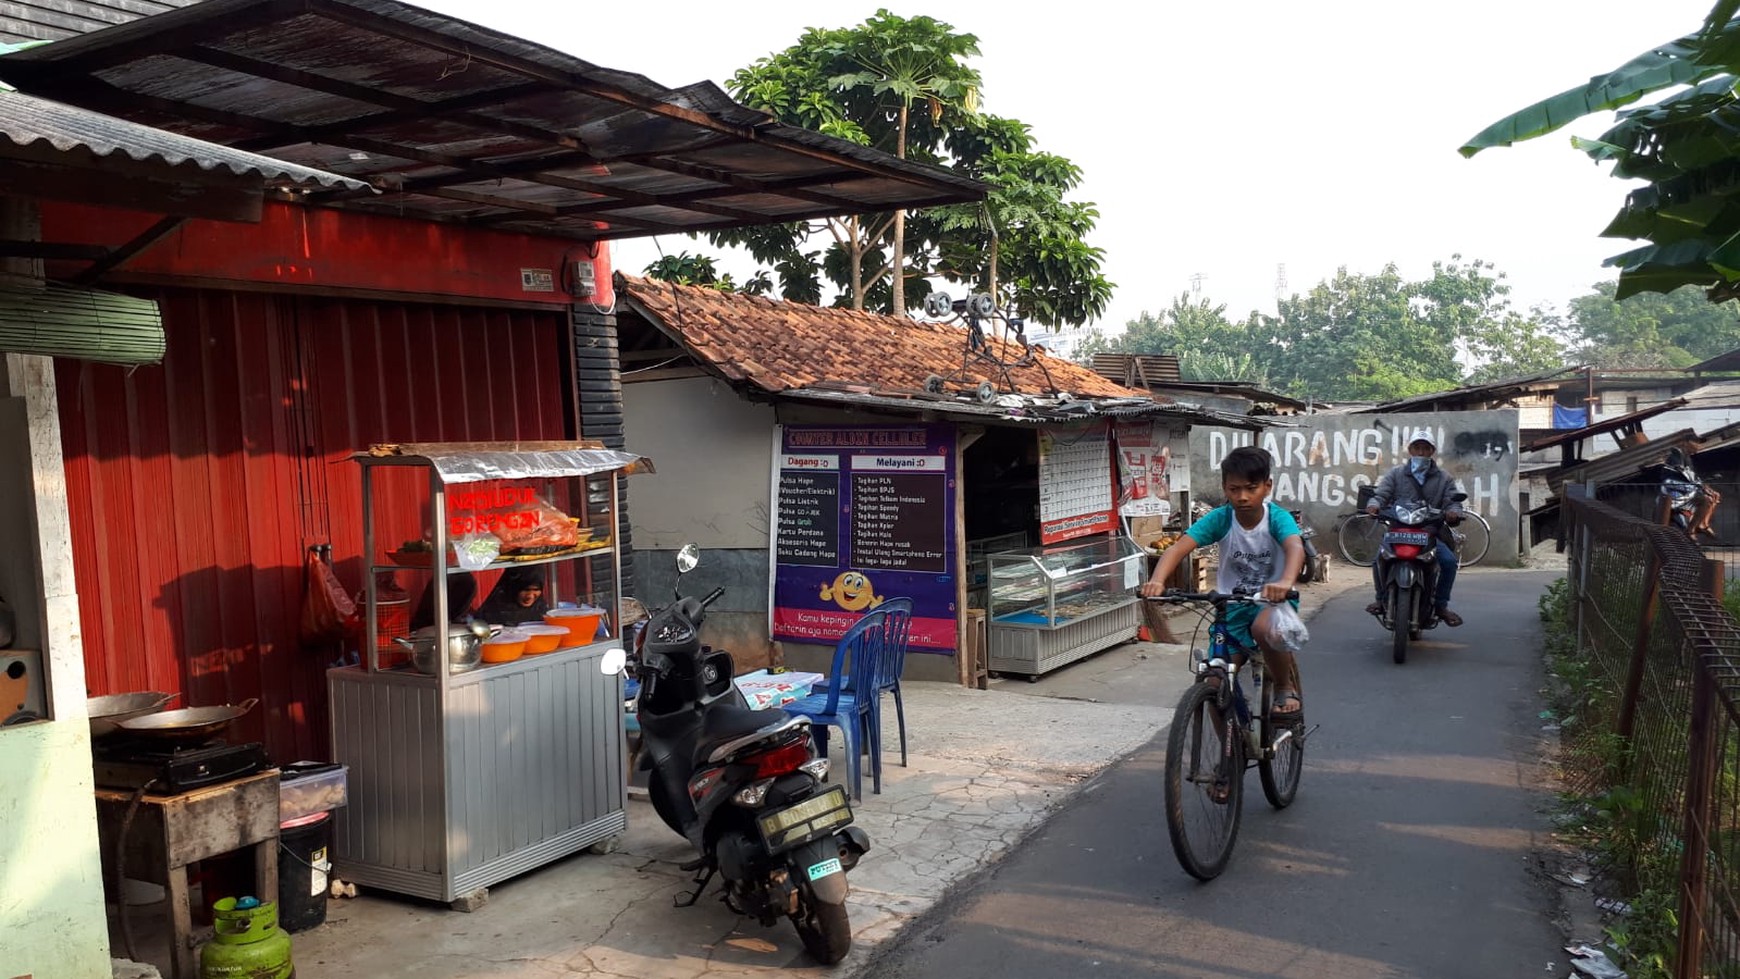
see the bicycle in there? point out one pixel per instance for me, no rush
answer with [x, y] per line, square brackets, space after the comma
[1358, 534]
[1215, 737]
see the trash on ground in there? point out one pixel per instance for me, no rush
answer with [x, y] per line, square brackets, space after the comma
[1593, 962]
[1612, 905]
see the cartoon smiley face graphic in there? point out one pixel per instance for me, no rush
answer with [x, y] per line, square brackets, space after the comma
[851, 591]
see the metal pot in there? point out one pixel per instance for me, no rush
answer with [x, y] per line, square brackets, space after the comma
[464, 648]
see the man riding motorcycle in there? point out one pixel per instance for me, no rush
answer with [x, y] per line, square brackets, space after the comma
[1421, 479]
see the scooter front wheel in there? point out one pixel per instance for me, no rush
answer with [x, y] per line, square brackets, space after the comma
[1401, 620]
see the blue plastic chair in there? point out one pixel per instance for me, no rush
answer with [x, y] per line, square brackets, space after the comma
[896, 637]
[857, 666]
[896, 634]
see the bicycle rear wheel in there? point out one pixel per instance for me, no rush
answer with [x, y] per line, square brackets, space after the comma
[1282, 763]
[1358, 537]
[1473, 536]
[1204, 784]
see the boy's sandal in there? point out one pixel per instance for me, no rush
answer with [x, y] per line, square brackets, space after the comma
[1287, 716]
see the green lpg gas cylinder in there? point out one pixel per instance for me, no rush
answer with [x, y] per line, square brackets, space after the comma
[248, 943]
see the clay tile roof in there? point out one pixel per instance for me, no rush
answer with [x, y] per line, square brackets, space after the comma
[782, 346]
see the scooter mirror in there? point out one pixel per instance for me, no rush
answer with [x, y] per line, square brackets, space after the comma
[688, 558]
[1458, 497]
[614, 661]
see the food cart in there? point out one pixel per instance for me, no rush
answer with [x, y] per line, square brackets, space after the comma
[464, 775]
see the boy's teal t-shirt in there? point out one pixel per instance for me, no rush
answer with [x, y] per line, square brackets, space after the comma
[1215, 523]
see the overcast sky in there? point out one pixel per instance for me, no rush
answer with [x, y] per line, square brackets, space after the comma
[1227, 140]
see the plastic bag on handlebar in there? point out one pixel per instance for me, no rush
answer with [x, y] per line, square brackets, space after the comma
[1286, 629]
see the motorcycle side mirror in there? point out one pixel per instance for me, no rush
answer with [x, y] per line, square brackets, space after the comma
[614, 661]
[688, 558]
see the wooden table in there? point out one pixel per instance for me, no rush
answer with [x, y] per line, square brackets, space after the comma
[169, 832]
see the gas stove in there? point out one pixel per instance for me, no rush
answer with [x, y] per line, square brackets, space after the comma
[171, 770]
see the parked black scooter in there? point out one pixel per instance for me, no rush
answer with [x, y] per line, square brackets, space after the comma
[1316, 567]
[1407, 570]
[743, 786]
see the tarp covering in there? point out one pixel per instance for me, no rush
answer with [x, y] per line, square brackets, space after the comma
[473, 462]
[54, 320]
[1570, 418]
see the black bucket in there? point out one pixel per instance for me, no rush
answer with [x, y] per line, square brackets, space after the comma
[304, 869]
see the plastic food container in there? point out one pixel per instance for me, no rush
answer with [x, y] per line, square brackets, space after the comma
[543, 638]
[581, 623]
[504, 647]
[307, 789]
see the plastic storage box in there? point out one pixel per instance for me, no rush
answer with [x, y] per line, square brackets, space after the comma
[305, 788]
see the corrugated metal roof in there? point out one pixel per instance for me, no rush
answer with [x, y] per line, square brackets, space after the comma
[1471, 392]
[463, 124]
[50, 20]
[1600, 428]
[1604, 469]
[27, 119]
[1028, 409]
[1729, 361]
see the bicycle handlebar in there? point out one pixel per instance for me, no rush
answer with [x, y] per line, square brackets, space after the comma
[1216, 597]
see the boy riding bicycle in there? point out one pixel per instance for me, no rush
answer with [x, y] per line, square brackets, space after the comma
[1260, 550]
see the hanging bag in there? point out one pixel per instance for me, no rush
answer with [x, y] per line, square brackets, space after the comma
[328, 613]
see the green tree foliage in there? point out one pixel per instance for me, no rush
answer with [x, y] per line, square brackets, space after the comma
[1651, 329]
[1357, 337]
[700, 270]
[1026, 243]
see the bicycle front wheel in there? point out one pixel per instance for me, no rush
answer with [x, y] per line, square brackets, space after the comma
[1472, 536]
[1204, 784]
[1358, 537]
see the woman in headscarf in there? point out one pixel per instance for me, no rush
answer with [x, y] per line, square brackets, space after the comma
[517, 598]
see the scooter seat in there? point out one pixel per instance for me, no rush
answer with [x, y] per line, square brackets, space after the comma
[729, 722]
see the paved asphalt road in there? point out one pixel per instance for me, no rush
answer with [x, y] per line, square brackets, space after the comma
[1405, 854]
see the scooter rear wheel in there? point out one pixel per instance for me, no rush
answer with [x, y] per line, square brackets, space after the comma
[826, 929]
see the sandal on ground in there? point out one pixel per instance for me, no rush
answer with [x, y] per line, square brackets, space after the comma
[1448, 616]
[1283, 697]
[1375, 608]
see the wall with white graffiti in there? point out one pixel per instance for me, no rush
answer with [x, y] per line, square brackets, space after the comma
[1321, 461]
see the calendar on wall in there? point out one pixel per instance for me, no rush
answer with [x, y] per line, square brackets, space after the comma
[1075, 483]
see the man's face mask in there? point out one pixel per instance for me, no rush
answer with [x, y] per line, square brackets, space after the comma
[1418, 464]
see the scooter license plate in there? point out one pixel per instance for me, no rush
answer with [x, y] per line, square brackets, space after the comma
[810, 819]
[1419, 538]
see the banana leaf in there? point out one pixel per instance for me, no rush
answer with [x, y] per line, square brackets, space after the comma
[1670, 64]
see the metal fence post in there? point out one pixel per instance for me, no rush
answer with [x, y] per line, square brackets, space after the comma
[1701, 755]
[1640, 644]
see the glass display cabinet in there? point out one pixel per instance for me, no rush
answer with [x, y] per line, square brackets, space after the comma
[1055, 604]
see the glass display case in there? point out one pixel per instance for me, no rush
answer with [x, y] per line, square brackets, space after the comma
[1055, 604]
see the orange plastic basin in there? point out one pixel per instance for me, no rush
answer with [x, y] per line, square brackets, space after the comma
[543, 638]
[504, 647]
[581, 626]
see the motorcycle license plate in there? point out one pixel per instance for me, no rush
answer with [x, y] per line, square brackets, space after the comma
[1418, 538]
[810, 819]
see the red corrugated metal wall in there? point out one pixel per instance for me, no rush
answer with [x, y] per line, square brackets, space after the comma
[197, 485]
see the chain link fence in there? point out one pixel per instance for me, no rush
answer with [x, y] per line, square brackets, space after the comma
[1652, 737]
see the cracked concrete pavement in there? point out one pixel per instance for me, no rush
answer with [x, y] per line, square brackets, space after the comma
[986, 769]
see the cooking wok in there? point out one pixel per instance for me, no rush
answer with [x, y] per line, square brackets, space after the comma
[188, 723]
[106, 713]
